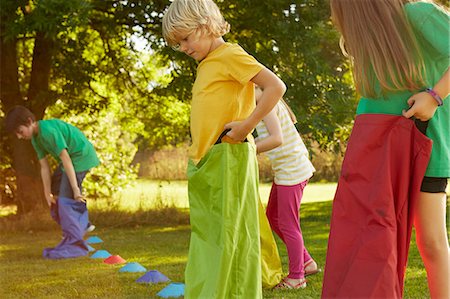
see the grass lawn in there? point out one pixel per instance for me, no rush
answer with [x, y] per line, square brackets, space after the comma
[147, 194]
[158, 240]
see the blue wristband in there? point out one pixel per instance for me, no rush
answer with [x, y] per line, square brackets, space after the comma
[435, 96]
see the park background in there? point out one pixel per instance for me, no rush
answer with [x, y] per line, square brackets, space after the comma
[103, 66]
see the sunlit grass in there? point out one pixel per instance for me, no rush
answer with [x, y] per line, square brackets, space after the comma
[314, 192]
[145, 195]
[148, 194]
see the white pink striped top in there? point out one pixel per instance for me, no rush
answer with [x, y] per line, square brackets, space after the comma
[290, 161]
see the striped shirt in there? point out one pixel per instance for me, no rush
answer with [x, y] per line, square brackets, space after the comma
[290, 161]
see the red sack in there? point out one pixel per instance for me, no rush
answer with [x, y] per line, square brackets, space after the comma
[371, 221]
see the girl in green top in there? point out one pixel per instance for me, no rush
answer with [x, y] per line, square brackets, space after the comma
[400, 53]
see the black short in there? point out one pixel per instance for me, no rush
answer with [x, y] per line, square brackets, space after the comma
[433, 185]
[430, 184]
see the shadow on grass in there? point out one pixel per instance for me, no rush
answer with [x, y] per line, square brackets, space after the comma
[167, 216]
[40, 220]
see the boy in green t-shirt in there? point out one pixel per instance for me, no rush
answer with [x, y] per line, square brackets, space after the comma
[75, 155]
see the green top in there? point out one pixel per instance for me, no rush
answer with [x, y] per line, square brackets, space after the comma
[54, 135]
[431, 27]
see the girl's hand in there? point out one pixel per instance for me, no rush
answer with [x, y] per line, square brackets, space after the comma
[238, 130]
[422, 106]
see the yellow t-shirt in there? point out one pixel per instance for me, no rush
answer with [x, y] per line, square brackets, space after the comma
[222, 93]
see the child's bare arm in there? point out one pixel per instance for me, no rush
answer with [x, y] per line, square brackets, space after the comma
[70, 172]
[275, 137]
[273, 89]
[46, 180]
[423, 105]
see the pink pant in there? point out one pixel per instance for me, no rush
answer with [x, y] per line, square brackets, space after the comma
[283, 214]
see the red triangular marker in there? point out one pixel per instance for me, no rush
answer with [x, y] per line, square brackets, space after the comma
[115, 259]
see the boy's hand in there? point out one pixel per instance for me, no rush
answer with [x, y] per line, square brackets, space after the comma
[77, 195]
[422, 106]
[238, 130]
[50, 199]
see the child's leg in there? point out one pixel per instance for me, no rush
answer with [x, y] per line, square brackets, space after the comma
[289, 199]
[306, 256]
[432, 241]
[272, 211]
[56, 181]
[54, 188]
[65, 190]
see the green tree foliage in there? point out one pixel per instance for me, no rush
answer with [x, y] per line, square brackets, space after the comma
[79, 60]
[296, 40]
[300, 44]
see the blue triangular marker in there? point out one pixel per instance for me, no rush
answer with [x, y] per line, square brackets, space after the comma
[90, 248]
[175, 289]
[153, 276]
[132, 267]
[101, 254]
[93, 240]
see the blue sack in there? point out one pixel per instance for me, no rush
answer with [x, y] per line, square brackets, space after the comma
[73, 217]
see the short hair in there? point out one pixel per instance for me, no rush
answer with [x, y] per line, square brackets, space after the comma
[18, 116]
[187, 16]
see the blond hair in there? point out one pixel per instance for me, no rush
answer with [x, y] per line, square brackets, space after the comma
[380, 43]
[188, 16]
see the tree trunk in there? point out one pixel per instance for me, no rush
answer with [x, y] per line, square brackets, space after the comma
[9, 80]
[38, 93]
[29, 194]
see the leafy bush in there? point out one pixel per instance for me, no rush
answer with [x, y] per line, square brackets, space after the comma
[115, 149]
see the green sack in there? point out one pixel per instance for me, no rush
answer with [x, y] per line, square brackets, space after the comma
[224, 259]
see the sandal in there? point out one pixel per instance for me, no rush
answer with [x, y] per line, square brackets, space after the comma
[313, 271]
[286, 285]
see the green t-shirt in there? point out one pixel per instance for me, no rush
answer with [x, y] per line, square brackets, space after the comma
[54, 135]
[431, 27]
